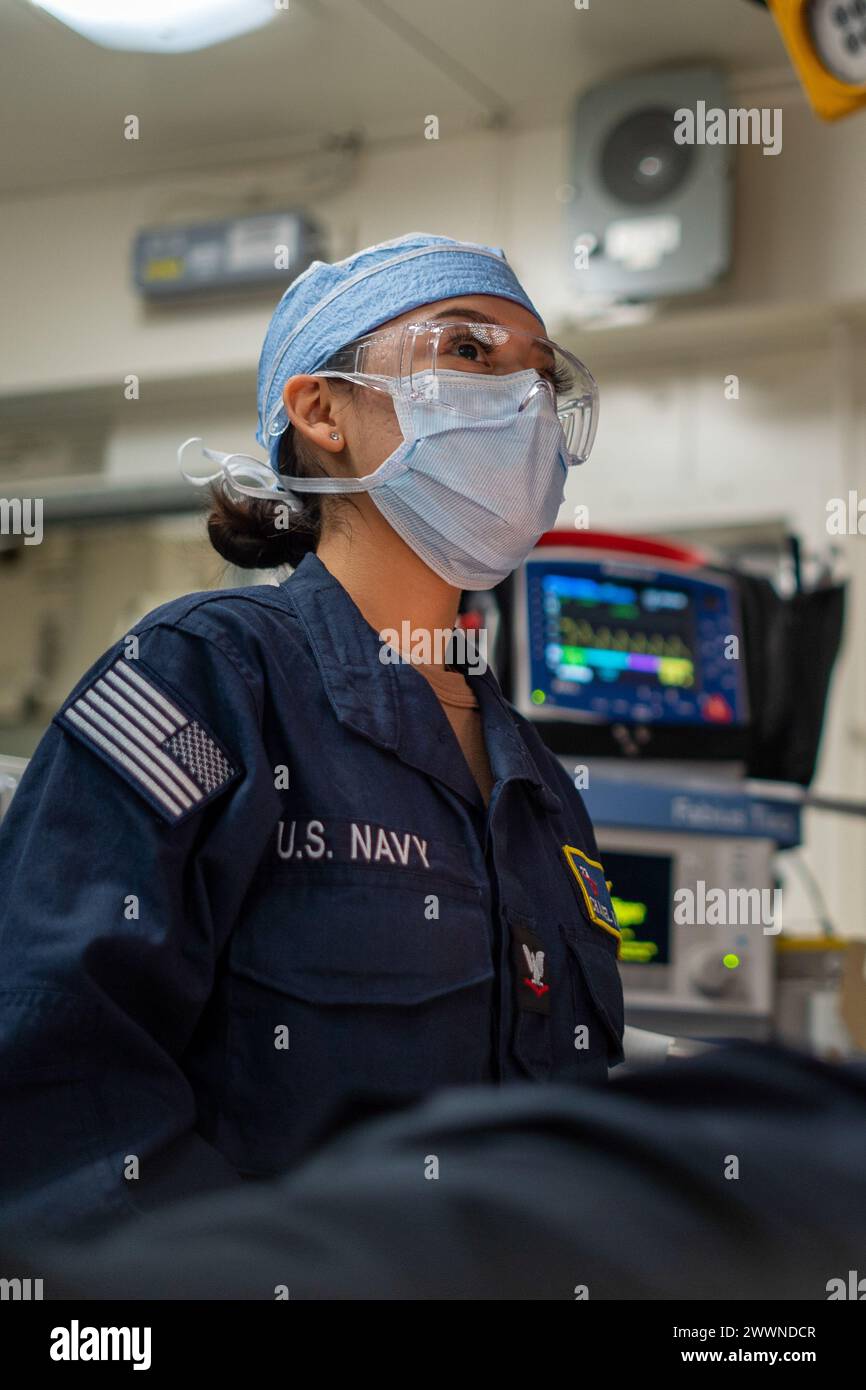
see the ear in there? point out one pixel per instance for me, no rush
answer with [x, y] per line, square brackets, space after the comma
[309, 404]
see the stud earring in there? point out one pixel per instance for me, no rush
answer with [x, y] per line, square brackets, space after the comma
[334, 434]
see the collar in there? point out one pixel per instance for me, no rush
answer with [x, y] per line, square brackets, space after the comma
[510, 759]
[394, 706]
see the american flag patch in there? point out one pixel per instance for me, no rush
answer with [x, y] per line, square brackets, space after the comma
[164, 753]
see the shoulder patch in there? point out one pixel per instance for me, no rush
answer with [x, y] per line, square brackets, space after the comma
[147, 735]
[593, 888]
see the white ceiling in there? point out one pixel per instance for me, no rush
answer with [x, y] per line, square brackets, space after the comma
[326, 68]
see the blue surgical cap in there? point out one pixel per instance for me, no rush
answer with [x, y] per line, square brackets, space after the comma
[330, 305]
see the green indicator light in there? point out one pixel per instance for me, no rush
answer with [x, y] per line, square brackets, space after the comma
[538, 697]
[731, 961]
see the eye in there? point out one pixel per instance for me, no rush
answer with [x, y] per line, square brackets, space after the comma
[465, 344]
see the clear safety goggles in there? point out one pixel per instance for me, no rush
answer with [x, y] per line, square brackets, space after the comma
[419, 360]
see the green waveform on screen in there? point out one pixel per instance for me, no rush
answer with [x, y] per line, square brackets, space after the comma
[578, 632]
[631, 914]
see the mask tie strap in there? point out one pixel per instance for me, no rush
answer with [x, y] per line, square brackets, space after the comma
[232, 467]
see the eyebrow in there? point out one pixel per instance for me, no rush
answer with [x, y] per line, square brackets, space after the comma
[462, 311]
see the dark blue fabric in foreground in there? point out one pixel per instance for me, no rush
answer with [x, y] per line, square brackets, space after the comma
[540, 1190]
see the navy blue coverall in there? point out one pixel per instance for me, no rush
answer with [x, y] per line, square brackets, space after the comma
[248, 875]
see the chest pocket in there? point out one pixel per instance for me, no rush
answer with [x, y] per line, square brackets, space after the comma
[346, 982]
[579, 1032]
[596, 996]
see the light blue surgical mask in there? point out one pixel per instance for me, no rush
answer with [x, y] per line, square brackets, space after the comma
[469, 493]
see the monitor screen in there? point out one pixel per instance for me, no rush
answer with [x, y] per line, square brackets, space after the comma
[610, 642]
[640, 890]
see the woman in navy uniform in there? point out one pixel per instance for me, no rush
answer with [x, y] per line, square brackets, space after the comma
[272, 853]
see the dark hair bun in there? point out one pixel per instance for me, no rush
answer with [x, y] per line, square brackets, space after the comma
[243, 530]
